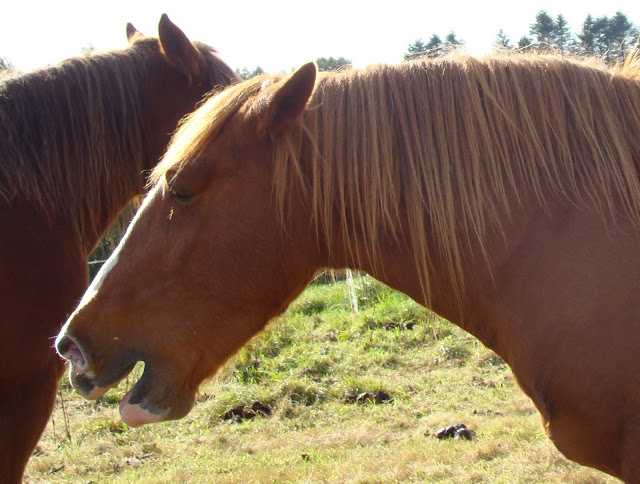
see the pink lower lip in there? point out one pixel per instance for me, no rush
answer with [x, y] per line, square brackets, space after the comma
[97, 392]
[135, 415]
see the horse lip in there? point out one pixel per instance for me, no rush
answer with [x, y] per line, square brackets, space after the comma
[92, 386]
[136, 415]
[82, 383]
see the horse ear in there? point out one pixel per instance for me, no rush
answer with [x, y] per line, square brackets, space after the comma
[179, 50]
[287, 104]
[132, 32]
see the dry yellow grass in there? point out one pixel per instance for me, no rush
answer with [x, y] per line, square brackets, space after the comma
[303, 367]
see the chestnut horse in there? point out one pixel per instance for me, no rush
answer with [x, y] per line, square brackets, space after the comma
[502, 192]
[75, 140]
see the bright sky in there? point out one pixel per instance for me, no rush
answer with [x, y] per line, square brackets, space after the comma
[279, 35]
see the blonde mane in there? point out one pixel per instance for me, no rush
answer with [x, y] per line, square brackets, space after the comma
[444, 146]
[200, 127]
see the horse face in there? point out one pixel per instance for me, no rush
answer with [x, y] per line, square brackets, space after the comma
[203, 267]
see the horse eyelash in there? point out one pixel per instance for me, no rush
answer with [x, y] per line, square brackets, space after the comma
[180, 197]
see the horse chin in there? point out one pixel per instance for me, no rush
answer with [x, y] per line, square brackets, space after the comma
[141, 406]
[135, 415]
[137, 407]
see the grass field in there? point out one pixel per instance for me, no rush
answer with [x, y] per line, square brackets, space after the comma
[311, 369]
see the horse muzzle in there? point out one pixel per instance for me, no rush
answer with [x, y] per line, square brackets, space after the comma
[151, 399]
[84, 379]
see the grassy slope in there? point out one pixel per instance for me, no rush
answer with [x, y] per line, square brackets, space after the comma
[305, 366]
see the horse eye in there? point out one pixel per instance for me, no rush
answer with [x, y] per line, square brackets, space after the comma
[181, 195]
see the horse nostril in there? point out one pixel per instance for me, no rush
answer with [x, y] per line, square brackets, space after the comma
[69, 350]
[62, 345]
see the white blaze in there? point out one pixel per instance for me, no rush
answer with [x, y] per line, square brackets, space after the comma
[110, 263]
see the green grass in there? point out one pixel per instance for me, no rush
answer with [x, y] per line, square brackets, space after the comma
[309, 366]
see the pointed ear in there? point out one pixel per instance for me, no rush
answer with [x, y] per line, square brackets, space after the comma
[288, 102]
[132, 32]
[179, 50]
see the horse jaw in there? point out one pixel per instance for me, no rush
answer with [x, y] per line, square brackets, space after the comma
[135, 416]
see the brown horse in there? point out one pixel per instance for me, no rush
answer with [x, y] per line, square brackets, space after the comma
[502, 192]
[75, 140]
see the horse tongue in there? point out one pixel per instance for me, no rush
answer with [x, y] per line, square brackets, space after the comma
[135, 415]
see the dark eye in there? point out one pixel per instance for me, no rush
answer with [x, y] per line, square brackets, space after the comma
[180, 194]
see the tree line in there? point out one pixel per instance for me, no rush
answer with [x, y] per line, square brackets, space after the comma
[323, 63]
[608, 38]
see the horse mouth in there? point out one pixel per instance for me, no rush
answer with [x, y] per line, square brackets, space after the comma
[92, 387]
[148, 400]
[158, 395]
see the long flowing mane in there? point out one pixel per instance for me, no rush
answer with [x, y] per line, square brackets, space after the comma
[65, 128]
[444, 146]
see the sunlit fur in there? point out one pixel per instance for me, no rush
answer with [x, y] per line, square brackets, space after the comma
[451, 141]
[58, 126]
[201, 126]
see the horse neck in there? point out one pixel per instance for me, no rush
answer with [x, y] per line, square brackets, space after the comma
[75, 142]
[448, 248]
[364, 214]
[407, 153]
[467, 302]
[357, 190]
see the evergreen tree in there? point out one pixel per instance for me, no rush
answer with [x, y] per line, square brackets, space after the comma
[525, 44]
[451, 42]
[502, 42]
[434, 47]
[608, 38]
[561, 36]
[332, 64]
[587, 37]
[415, 50]
[543, 29]
[621, 35]
[245, 73]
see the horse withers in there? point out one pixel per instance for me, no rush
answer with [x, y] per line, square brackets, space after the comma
[75, 142]
[501, 192]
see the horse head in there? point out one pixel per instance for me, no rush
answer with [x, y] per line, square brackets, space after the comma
[204, 266]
